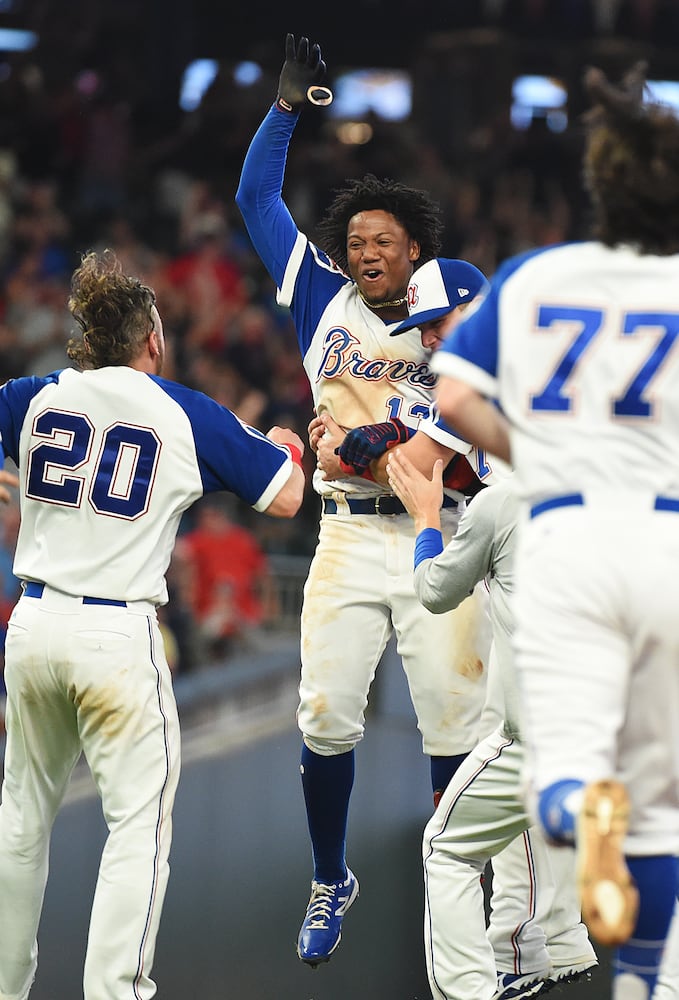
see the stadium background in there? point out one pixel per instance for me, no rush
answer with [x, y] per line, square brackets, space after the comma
[103, 143]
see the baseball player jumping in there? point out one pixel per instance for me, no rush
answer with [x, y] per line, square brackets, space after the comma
[109, 457]
[360, 589]
[578, 343]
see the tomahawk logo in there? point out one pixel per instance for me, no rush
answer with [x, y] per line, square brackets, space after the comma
[413, 296]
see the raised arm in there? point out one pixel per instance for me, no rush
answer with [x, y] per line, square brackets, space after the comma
[259, 196]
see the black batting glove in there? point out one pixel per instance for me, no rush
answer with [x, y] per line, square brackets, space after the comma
[302, 71]
[365, 444]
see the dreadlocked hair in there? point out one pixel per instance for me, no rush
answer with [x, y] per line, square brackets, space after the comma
[631, 164]
[413, 209]
[112, 309]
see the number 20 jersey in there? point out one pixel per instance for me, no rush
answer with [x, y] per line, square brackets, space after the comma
[579, 343]
[109, 460]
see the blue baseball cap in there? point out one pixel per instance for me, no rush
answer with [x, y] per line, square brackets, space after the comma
[438, 287]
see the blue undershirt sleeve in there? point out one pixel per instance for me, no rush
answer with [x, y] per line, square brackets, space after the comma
[428, 545]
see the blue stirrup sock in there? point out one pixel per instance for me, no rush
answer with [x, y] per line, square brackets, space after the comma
[327, 784]
[657, 881]
[442, 770]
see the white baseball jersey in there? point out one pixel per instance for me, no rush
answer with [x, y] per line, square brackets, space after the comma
[108, 462]
[579, 345]
[357, 372]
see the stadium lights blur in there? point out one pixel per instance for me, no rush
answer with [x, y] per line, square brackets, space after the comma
[664, 92]
[16, 40]
[200, 73]
[196, 79]
[539, 97]
[383, 93]
[247, 73]
[354, 133]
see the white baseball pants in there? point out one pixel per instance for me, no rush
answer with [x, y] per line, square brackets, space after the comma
[94, 679]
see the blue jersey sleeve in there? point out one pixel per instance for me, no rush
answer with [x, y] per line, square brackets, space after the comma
[15, 398]
[286, 253]
[231, 455]
[259, 196]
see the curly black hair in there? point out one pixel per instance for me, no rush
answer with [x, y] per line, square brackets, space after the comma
[631, 164]
[113, 310]
[419, 215]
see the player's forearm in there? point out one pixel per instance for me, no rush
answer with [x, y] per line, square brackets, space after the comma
[263, 169]
[475, 417]
[378, 470]
[289, 498]
[427, 517]
[259, 196]
[421, 450]
[443, 582]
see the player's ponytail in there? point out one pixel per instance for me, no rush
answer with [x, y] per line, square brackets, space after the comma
[113, 310]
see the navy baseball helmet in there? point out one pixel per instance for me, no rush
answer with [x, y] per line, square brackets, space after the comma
[438, 287]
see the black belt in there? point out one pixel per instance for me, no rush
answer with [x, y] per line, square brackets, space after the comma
[386, 503]
[578, 500]
[33, 589]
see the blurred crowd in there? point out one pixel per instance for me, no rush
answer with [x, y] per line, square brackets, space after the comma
[84, 165]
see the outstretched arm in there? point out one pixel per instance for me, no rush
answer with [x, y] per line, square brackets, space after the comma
[259, 196]
[271, 227]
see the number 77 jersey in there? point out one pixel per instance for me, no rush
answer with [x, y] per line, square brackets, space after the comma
[579, 345]
[108, 462]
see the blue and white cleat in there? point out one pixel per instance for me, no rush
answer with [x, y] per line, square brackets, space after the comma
[321, 930]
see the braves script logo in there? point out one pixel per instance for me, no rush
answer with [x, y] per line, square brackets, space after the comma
[413, 296]
[341, 356]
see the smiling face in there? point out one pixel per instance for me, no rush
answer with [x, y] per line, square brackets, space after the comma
[380, 255]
